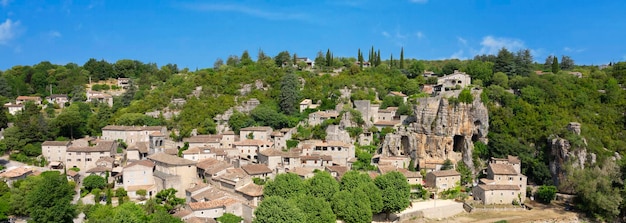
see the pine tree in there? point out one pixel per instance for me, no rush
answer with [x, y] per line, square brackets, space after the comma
[555, 65]
[402, 58]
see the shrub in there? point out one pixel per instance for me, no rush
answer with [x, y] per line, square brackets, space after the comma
[545, 194]
[94, 181]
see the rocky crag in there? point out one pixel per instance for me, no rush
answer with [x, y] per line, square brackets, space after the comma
[565, 154]
[440, 131]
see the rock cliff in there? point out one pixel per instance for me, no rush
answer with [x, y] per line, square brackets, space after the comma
[564, 153]
[440, 131]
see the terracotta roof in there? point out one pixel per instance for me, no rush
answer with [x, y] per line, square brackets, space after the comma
[107, 159]
[99, 169]
[502, 169]
[56, 143]
[445, 173]
[171, 151]
[169, 159]
[341, 170]
[17, 172]
[302, 171]
[396, 93]
[486, 181]
[213, 169]
[332, 143]
[146, 163]
[271, 152]
[132, 128]
[156, 134]
[277, 134]
[101, 146]
[316, 157]
[206, 163]
[221, 203]
[257, 128]
[71, 173]
[251, 189]
[139, 187]
[197, 187]
[142, 147]
[228, 133]
[28, 98]
[409, 174]
[203, 139]
[197, 150]
[489, 187]
[513, 159]
[209, 195]
[255, 169]
[327, 114]
[387, 123]
[252, 142]
[182, 213]
[383, 169]
[233, 175]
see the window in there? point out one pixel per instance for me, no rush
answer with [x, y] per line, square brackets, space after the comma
[510, 178]
[78, 153]
[78, 160]
[69, 160]
[88, 159]
[69, 154]
[101, 153]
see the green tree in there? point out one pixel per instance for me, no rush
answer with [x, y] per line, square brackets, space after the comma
[375, 196]
[97, 195]
[245, 58]
[229, 218]
[466, 96]
[555, 65]
[70, 122]
[94, 181]
[322, 185]
[285, 185]
[480, 70]
[395, 190]
[50, 200]
[169, 200]
[402, 58]
[505, 62]
[282, 58]
[465, 171]
[275, 209]
[447, 165]
[351, 180]
[545, 194]
[566, 63]
[315, 209]
[352, 207]
[501, 80]
[289, 94]
[239, 120]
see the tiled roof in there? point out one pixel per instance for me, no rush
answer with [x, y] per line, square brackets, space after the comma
[255, 169]
[203, 139]
[502, 169]
[252, 142]
[170, 159]
[445, 173]
[99, 169]
[142, 147]
[251, 189]
[341, 170]
[197, 150]
[387, 123]
[409, 174]
[221, 203]
[257, 128]
[101, 146]
[197, 187]
[146, 163]
[326, 114]
[332, 143]
[489, 187]
[71, 173]
[16, 172]
[209, 195]
[132, 128]
[25, 98]
[200, 220]
[302, 171]
[107, 159]
[182, 213]
[206, 163]
[56, 143]
[513, 159]
[139, 187]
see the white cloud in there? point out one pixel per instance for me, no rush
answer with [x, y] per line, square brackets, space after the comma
[461, 40]
[4, 3]
[8, 31]
[491, 44]
[574, 50]
[386, 34]
[250, 11]
[419, 1]
[54, 34]
[420, 35]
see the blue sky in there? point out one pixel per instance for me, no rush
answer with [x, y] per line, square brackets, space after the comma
[195, 33]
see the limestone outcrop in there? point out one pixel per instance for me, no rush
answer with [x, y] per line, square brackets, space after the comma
[564, 153]
[440, 131]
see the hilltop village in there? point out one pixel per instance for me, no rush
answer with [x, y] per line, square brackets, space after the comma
[223, 173]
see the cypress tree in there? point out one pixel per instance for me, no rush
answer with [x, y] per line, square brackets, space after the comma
[402, 58]
[360, 58]
[555, 65]
[328, 58]
[391, 61]
[378, 58]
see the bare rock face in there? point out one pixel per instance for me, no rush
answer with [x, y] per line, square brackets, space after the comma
[441, 131]
[564, 153]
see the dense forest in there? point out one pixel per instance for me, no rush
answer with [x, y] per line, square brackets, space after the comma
[529, 103]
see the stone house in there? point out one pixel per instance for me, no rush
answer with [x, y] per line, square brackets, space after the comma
[306, 104]
[413, 178]
[123, 82]
[173, 172]
[249, 148]
[258, 171]
[257, 132]
[233, 178]
[198, 153]
[303, 172]
[59, 99]
[275, 159]
[228, 138]
[280, 137]
[137, 151]
[339, 151]
[54, 151]
[396, 161]
[442, 179]
[138, 175]
[388, 114]
[318, 117]
[504, 182]
[14, 174]
[369, 111]
[316, 161]
[216, 208]
[214, 141]
[451, 81]
[131, 134]
[252, 193]
[23, 99]
[209, 169]
[399, 94]
[85, 157]
[14, 108]
[100, 97]
[337, 171]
